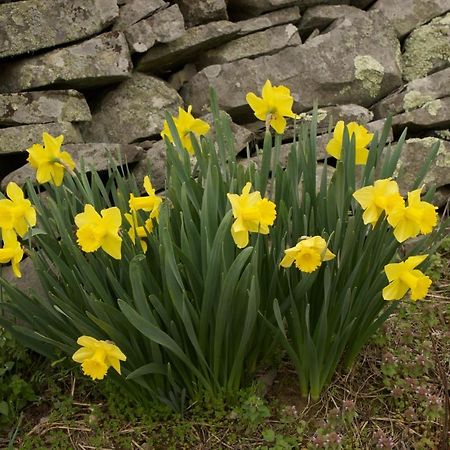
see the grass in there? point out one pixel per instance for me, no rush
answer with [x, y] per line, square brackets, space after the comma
[396, 396]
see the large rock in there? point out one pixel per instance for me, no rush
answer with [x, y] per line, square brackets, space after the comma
[41, 107]
[355, 62]
[253, 45]
[321, 16]
[94, 156]
[196, 40]
[136, 10]
[257, 7]
[37, 24]
[271, 19]
[405, 15]
[434, 114]
[99, 61]
[198, 12]
[415, 94]
[135, 110]
[414, 153]
[164, 26]
[427, 49]
[18, 139]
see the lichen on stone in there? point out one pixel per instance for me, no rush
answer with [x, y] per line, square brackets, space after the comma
[444, 134]
[433, 107]
[414, 100]
[427, 48]
[370, 72]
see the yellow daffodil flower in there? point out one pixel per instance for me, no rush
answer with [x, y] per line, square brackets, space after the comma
[49, 161]
[186, 123]
[138, 230]
[16, 213]
[274, 105]
[383, 196]
[417, 217]
[252, 213]
[149, 203]
[95, 230]
[361, 136]
[11, 252]
[308, 254]
[96, 357]
[404, 277]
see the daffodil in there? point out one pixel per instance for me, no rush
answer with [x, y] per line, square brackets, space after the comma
[252, 213]
[141, 231]
[361, 136]
[11, 252]
[417, 217]
[95, 230]
[149, 203]
[16, 212]
[96, 357]
[383, 196]
[308, 254]
[49, 161]
[186, 124]
[404, 277]
[274, 105]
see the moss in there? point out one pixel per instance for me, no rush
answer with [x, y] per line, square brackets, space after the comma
[414, 100]
[370, 72]
[427, 48]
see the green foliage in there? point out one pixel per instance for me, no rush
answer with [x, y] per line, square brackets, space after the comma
[195, 315]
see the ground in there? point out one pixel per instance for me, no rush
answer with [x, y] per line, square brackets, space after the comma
[395, 396]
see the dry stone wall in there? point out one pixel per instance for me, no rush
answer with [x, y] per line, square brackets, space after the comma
[104, 72]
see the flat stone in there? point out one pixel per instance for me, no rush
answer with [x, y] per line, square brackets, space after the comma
[268, 20]
[198, 12]
[405, 15]
[96, 156]
[135, 110]
[434, 114]
[164, 26]
[196, 40]
[18, 139]
[415, 94]
[362, 69]
[136, 10]
[99, 61]
[427, 49]
[256, 7]
[414, 153]
[253, 45]
[41, 107]
[37, 24]
[321, 16]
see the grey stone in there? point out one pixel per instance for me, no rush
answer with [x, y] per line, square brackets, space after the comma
[40, 107]
[415, 94]
[136, 10]
[18, 139]
[363, 68]
[257, 7]
[414, 153]
[98, 156]
[405, 15]
[427, 49]
[177, 53]
[198, 12]
[303, 4]
[135, 110]
[253, 45]
[38, 24]
[434, 114]
[271, 19]
[99, 61]
[321, 16]
[164, 26]
[180, 78]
